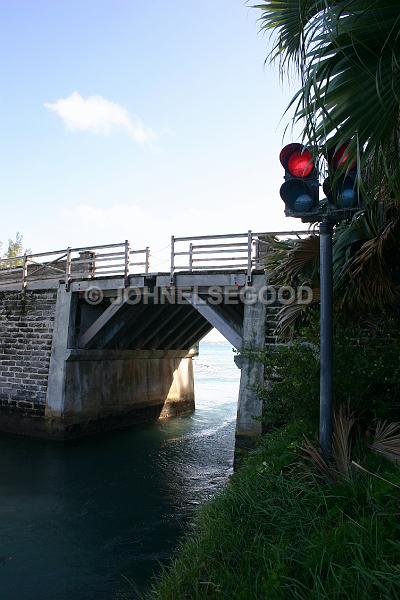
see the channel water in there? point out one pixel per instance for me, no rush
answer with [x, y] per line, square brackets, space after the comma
[94, 519]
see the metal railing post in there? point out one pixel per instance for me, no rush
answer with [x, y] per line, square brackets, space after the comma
[127, 261]
[172, 273]
[257, 262]
[94, 265]
[68, 268]
[249, 254]
[147, 265]
[25, 272]
[190, 257]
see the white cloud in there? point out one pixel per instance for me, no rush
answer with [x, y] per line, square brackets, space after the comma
[99, 115]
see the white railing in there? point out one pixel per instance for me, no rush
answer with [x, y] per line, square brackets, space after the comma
[231, 251]
[236, 252]
[88, 262]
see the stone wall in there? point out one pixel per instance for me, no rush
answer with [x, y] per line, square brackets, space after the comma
[26, 329]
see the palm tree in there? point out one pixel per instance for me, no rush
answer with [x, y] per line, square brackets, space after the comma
[347, 53]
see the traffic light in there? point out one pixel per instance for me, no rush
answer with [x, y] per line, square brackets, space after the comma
[341, 187]
[300, 191]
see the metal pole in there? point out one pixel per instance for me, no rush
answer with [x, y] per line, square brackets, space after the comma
[172, 273]
[190, 257]
[249, 254]
[326, 348]
[127, 262]
[68, 268]
[25, 272]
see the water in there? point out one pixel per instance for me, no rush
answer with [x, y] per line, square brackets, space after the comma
[81, 521]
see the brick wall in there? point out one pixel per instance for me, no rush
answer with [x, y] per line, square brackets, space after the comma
[26, 331]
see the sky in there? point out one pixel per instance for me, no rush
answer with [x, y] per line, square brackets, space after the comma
[137, 119]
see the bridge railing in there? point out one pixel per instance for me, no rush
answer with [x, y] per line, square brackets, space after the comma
[69, 264]
[232, 251]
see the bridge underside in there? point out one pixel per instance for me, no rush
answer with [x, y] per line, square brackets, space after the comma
[119, 325]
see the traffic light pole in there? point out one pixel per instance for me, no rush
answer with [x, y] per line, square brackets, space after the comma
[326, 347]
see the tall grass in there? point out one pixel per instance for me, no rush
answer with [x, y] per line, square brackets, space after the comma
[278, 532]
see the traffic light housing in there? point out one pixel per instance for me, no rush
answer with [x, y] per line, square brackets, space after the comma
[300, 191]
[341, 187]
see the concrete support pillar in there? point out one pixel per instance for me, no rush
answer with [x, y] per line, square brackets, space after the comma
[57, 369]
[128, 385]
[248, 428]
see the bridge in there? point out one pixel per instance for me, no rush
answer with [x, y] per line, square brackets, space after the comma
[93, 339]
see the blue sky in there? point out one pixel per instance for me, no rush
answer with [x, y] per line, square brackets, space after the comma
[137, 119]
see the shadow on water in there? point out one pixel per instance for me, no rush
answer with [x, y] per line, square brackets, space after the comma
[77, 521]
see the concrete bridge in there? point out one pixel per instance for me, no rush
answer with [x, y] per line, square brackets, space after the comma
[91, 339]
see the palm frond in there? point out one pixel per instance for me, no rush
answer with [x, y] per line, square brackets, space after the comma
[342, 439]
[386, 440]
[313, 456]
[290, 19]
[292, 262]
[290, 316]
[340, 466]
[347, 55]
[366, 259]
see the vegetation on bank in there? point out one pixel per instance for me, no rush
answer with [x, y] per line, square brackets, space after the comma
[290, 525]
[281, 531]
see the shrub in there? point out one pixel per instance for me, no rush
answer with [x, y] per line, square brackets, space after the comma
[366, 375]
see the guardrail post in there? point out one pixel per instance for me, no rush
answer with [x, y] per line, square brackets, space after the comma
[249, 254]
[68, 268]
[147, 265]
[172, 274]
[25, 272]
[127, 261]
[190, 257]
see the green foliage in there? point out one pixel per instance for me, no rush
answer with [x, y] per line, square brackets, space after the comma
[366, 374]
[366, 258]
[275, 534]
[15, 247]
[14, 250]
[347, 54]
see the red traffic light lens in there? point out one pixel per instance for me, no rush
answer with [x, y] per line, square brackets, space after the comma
[297, 160]
[301, 163]
[339, 159]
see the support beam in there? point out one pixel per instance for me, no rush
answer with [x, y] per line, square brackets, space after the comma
[186, 333]
[177, 316]
[199, 334]
[180, 315]
[102, 324]
[135, 335]
[221, 323]
[126, 322]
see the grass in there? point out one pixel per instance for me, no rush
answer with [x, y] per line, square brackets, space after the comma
[279, 532]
